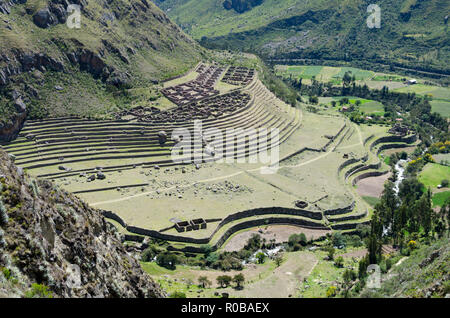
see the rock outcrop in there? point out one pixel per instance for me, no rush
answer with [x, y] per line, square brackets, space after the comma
[54, 239]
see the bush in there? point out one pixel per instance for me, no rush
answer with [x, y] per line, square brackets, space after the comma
[339, 262]
[149, 253]
[296, 241]
[39, 291]
[331, 291]
[177, 294]
[444, 183]
[261, 257]
[338, 239]
[167, 260]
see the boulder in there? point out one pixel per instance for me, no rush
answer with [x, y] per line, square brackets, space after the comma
[44, 18]
[162, 136]
[19, 105]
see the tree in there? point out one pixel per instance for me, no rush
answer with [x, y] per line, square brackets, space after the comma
[261, 257]
[204, 281]
[167, 260]
[339, 262]
[330, 251]
[224, 280]
[278, 259]
[239, 280]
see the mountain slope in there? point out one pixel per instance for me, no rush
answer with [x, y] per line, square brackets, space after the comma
[423, 274]
[52, 238]
[113, 60]
[413, 33]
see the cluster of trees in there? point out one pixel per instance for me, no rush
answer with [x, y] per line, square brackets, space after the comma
[421, 118]
[225, 280]
[241, 6]
[404, 219]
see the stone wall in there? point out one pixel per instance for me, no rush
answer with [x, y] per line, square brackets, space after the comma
[368, 175]
[346, 209]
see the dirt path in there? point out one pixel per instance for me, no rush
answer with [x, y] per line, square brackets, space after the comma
[282, 281]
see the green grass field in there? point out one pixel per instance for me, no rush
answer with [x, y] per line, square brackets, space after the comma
[371, 200]
[441, 107]
[440, 198]
[433, 174]
[437, 93]
[372, 107]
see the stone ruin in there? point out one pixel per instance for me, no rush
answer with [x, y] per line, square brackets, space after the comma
[238, 76]
[200, 88]
[214, 107]
[193, 225]
[399, 130]
[301, 204]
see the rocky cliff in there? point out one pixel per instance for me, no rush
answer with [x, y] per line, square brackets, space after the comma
[53, 244]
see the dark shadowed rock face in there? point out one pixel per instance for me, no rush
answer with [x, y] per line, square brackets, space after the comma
[44, 18]
[53, 238]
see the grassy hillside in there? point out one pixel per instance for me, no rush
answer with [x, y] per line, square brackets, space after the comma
[120, 51]
[425, 273]
[413, 34]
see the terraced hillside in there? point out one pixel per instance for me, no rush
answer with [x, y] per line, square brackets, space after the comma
[126, 167]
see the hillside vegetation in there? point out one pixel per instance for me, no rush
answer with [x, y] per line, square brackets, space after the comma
[413, 34]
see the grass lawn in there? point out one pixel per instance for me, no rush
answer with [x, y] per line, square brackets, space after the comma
[433, 173]
[372, 107]
[441, 107]
[440, 198]
[371, 200]
[440, 93]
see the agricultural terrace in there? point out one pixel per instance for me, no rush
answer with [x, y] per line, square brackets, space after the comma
[125, 166]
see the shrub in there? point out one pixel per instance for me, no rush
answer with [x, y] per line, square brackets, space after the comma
[39, 291]
[177, 294]
[330, 251]
[338, 239]
[339, 262]
[444, 183]
[204, 281]
[149, 254]
[261, 257]
[412, 245]
[331, 291]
